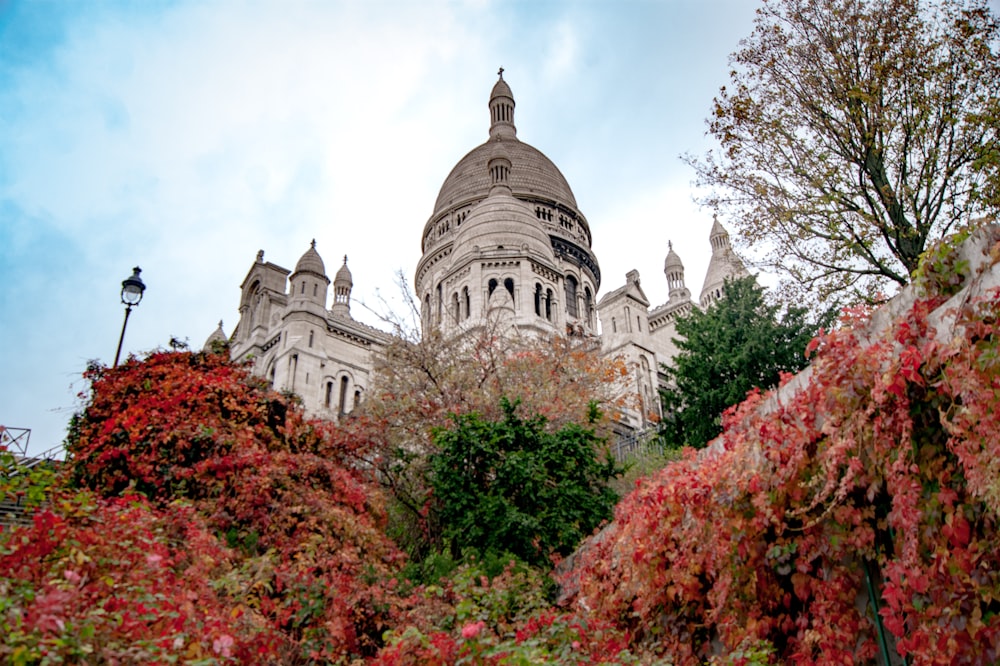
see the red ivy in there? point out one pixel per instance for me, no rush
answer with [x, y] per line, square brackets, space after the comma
[889, 455]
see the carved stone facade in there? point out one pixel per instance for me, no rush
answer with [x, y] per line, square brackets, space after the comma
[323, 356]
[505, 239]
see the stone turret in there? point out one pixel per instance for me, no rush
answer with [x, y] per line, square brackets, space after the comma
[502, 110]
[308, 284]
[673, 268]
[342, 285]
[724, 265]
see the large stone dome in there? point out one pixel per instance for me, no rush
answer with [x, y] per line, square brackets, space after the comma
[537, 216]
[532, 175]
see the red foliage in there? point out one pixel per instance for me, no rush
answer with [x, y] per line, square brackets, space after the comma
[310, 559]
[118, 581]
[889, 455]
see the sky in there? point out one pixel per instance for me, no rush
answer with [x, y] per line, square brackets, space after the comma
[183, 137]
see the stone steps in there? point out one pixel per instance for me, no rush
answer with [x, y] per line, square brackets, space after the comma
[13, 512]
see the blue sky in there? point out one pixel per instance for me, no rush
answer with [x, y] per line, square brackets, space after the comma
[183, 137]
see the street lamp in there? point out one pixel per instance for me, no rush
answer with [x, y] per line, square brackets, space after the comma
[132, 288]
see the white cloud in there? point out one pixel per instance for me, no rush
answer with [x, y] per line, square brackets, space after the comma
[186, 138]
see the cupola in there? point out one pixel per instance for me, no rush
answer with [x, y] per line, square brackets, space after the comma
[216, 340]
[673, 268]
[342, 284]
[502, 110]
[309, 283]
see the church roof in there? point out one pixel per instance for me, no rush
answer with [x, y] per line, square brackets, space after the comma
[344, 274]
[532, 175]
[673, 260]
[217, 336]
[632, 288]
[311, 262]
[501, 89]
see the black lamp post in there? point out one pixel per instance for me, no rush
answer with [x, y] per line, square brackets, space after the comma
[132, 288]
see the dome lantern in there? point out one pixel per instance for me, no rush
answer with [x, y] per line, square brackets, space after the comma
[499, 168]
[673, 268]
[502, 110]
[342, 284]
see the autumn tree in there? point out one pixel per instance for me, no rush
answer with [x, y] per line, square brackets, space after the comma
[740, 342]
[854, 132]
[423, 378]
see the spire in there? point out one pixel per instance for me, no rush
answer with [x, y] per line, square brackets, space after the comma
[342, 284]
[673, 268]
[724, 264]
[719, 237]
[502, 110]
[217, 341]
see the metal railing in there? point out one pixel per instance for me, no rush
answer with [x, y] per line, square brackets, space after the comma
[630, 443]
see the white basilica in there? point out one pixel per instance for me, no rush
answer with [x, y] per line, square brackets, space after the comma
[506, 239]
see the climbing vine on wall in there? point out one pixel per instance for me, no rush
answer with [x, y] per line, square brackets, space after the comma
[886, 460]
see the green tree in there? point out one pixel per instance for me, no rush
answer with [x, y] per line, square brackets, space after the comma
[509, 486]
[853, 133]
[740, 342]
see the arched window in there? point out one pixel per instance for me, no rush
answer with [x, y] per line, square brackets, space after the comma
[303, 289]
[357, 398]
[588, 303]
[250, 308]
[315, 289]
[508, 284]
[548, 304]
[456, 313]
[571, 309]
[492, 286]
[645, 393]
[465, 303]
[329, 395]
[427, 310]
[310, 338]
[343, 393]
[538, 299]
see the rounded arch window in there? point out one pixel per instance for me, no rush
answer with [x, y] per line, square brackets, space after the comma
[571, 285]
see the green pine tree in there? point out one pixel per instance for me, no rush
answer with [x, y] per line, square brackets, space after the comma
[740, 342]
